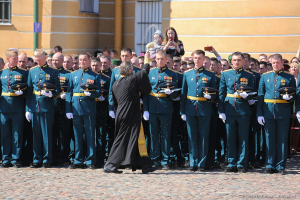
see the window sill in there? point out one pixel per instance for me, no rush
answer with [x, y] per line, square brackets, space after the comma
[5, 24]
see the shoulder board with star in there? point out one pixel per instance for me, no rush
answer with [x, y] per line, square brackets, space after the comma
[68, 70]
[22, 69]
[267, 72]
[255, 71]
[188, 70]
[174, 71]
[74, 71]
[248, 72]
[217, 75]
[228, 70]
[209, 70]
[105, 75]
[52, 67]
[153, 68]
[33, 67]
[95, 72]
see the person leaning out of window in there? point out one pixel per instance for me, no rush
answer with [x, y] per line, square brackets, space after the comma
[172, 45]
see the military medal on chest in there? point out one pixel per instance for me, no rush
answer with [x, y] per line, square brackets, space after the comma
[47, 76]
[244, 81]
[168, 79]
[204, 80]
[282, 81]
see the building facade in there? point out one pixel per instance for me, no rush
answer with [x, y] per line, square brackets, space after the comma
[253, 26]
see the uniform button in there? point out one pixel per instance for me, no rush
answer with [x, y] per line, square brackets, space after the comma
[80, 100]
[275, 85]
[275, 97]
[275, 91]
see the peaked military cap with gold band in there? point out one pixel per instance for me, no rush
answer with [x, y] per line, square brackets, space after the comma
[243, 88]
[287, 90]
[64, 89]
[19, 86]
[88, 87]
[47, 86]
[169, 85]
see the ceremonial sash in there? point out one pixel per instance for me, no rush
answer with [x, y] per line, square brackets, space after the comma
[142, 142]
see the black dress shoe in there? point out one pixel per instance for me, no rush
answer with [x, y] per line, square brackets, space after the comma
[256, 165]
[157, 167]
[200, 169]
[165, 167]
[17, 165]
[148, 169]
[193, 169]
[209, 168]
[74, 166]
[99, 165]
[217, 166]
[281, 172]
[35, 165]
[250, 166]
[6, 165]
[46, 165]
[242, 170]
[109, 171]
[91, 167]
[230, 169]
[270, 171]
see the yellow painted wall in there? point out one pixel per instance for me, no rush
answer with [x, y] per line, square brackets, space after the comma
[244, 25]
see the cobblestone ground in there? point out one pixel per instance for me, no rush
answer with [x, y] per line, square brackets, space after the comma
[63, 183]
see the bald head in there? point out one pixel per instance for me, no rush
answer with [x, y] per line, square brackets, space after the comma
[22, 60]
[57, 60]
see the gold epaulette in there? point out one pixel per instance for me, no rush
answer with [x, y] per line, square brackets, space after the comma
[69, 70]
[248, 71]
[217, 75]
[227, 70]
[74, 71]
[267, 72]
[255, 71]
[105, 75]
[175, 71]
[22, 69]
[209, 70]
[153, 68]
[189, 70]
[33, 67]
[288, 73]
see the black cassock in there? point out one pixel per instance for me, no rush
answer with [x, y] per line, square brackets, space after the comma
[126, 100]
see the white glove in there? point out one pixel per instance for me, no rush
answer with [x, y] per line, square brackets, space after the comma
[298, 116]
[168, 91]
[112, 114]
[63, 96]
[146, 115]
[222, 116]
[87, 93]
[47, 94]
[141, 101]
[28, 116]
[261, 120]
[19, 92]
[207, 96]
[287, 97]
[69, 115]
[251, 102]
[183, 117]
[176, 99]
[101, 98]
[244, 95]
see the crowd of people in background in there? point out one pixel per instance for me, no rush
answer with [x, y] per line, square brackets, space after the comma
[169, 131]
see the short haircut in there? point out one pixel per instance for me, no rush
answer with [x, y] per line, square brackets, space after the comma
[85, 54]
[190, 62]
[115, 53]
[293, 59]
[263, 55]
[141, 57]
[237, 53]
[59, 48]
[74, 56]
[253, 60]
[169, 56]
[183, 62]
[206, 57]
[29, 59]
[213, 59]
[105, 57]
[95, 60]
[177, 59]
[198, 52]
[247, 55]
[106, 50]
[50, 55]
[39, 52]
[9, 53]
[263, 63]
[1, 60]
[127, 50]
[224, 60]
[270, 56]
[125, 67]
[161, 52]
[277, 56]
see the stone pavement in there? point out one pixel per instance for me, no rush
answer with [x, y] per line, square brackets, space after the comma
[63, 183]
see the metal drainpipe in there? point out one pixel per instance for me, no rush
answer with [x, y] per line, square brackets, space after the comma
[35, 19]
[118, 25]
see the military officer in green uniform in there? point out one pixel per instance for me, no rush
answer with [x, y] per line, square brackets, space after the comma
[101, 113]
[235, 111]
[274, 111]
[196, 109]
[40, 108]
[61, 128]
[12, 108]
[81, 106]
[158, 109]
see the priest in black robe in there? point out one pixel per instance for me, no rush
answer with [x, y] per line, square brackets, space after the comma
[126, 97]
